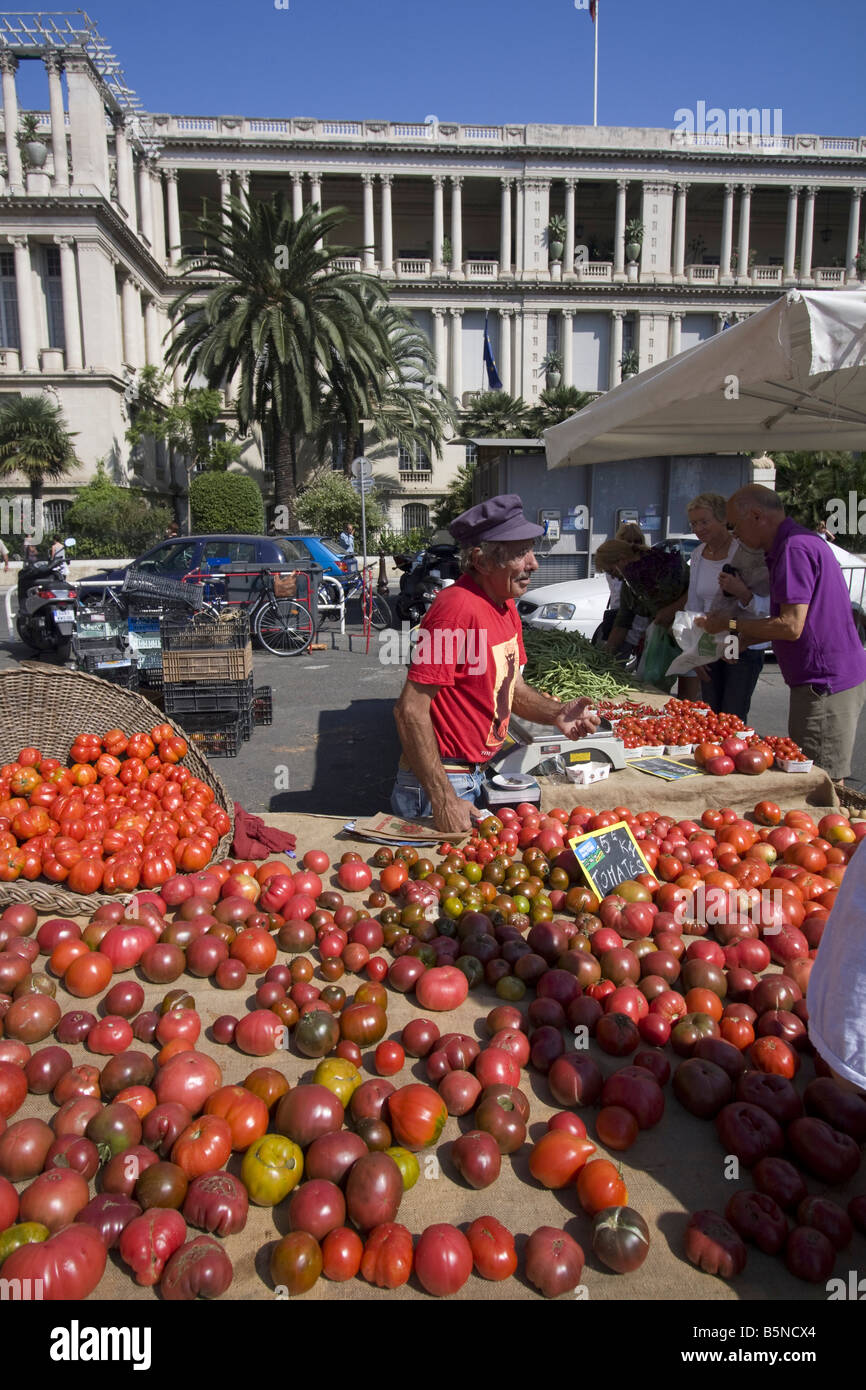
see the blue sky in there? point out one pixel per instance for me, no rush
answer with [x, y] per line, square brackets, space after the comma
[493, 60]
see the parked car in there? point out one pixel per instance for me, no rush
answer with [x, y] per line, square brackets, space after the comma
[576, 606]
[181, 555]
[336, 561]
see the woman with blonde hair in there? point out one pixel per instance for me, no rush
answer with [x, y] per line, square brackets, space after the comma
[724, 577]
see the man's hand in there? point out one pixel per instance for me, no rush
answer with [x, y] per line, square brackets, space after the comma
[577, 718]
[712, 622]
[452, 814]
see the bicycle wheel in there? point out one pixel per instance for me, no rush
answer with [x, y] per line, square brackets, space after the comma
[284, 627]
[330, 596]
[380, 613]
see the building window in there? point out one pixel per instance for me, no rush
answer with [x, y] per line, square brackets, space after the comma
[54, 513]
[54, 297]
[267, 453]
[628, 334]
[9, 334]
[415, 516]
[471, 454]
[413, 460]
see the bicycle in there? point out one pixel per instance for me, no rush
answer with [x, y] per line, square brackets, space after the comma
[332, 594]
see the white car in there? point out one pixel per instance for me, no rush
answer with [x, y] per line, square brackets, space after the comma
[576, 606]
[854, 570]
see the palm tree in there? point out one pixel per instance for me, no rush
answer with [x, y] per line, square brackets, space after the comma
[34, 441]
[405, 405]
[286, 318]
[557, 405]
[496, 415]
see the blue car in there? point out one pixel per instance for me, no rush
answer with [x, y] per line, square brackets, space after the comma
[336, 561]
[179, 556]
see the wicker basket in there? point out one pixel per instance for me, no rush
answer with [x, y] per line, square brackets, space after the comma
[45, 707]
[850, 800]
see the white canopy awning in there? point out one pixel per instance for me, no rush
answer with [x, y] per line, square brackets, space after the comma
[792, 376]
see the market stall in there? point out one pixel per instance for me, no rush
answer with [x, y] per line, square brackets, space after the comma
[672, 1168]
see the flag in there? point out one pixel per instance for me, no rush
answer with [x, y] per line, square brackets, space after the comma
[493, 381]
[592, 6]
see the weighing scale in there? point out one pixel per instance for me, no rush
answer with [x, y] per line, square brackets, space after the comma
[532, 750]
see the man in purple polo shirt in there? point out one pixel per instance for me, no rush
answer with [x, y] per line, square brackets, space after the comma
[810, 626]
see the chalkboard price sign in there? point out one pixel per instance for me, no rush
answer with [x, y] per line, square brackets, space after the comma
[608, 857]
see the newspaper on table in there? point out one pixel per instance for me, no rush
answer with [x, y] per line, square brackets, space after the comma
[387, 829]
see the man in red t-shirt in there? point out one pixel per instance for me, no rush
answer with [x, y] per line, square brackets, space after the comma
[465, 678]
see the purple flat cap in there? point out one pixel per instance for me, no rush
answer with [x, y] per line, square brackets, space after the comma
[498, 519]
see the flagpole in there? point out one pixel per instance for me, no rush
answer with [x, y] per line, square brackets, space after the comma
[595, 68]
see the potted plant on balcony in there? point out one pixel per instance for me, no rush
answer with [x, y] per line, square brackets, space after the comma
[552, 366]
[629, 363]
[633, 238]
[556, 237]
[33, 151]
[447, 252]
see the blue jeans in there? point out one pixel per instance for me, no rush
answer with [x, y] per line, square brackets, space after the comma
[409, 799]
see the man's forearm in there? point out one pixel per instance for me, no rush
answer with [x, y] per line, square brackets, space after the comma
[421, 752]
[766, 630]
[530, 704]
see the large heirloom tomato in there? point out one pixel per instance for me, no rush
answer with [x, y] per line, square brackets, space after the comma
[246, 1113]
[492, 1246]
[443, 1260]
[713, 1245]
[416, 1115]
[67, 1267]
[387, 1258]
[271, 1167]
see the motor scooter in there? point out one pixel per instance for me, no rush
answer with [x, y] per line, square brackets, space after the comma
[46, 608]
[422, 578]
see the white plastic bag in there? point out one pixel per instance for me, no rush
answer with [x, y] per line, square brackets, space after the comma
[699, 647]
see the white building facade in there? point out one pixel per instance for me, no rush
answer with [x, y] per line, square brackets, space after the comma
[454, 217]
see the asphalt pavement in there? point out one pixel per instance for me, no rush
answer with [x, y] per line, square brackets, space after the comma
[332, 748]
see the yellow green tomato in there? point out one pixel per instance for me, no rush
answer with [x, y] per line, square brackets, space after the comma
[408, 1165]
[25, 1233]
[271, 1167]
[340, 1077]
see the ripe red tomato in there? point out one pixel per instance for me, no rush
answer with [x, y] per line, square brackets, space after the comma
[600, 1185]
[389, 1058]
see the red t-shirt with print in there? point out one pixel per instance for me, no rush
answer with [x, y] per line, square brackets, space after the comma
[473, 649]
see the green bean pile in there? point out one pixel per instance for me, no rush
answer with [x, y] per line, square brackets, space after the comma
[566, 666]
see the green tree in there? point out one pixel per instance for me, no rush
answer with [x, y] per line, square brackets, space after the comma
[496, 415]
[328, 502]
[807, 481]
[557, 405]
[226, 503]
[285, 317]
[34, 441]
[458, 495]
[185, 420]
[107, 520]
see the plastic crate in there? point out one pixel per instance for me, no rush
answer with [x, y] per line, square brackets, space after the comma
[150, 678]
[215, 735]
[124, 673]
[263, 705]
[232, 665]
[227, 697]
[102, 650]
[231, 633]
[155, 586]
[247, 723]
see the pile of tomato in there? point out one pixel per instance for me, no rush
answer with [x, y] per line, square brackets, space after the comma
[672, 968]
[123, 814]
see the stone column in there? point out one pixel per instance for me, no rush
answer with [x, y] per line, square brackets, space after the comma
[808, 234]
[743, 272]
[438, 222]
[99, 317]
[87, 134]
[615, 370]
[676, 335]
[619, 231]
[520, 204]
[26, 307]
[680, 232]
[791, 234]
[145, 201]
[387, 261]
[567, 343]
[440, 350]
[243, 176]
[125, 179]
[71, 314]
[505, 229]
[131, 318]
[158, 204]
[853, 234]
[568, 258]
[369, 229]
[505, 356]
[457, 227]
[152, 345]
[54, 67]
[316, 190]
[297, 195]
[727, 234]
[173, 217]
[457, 354]
[15, 171]
[225, 178]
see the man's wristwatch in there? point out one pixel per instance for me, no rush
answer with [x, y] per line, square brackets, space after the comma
[732, 625]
